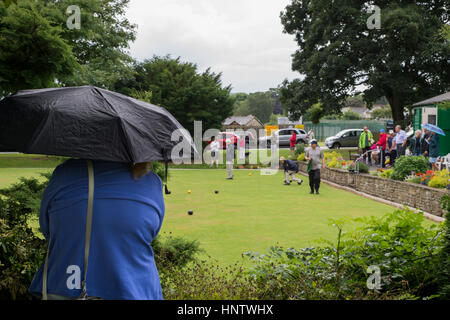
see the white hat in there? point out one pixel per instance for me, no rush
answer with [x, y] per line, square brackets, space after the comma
[282, 159]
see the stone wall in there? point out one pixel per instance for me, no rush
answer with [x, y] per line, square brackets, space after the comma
[410, 194]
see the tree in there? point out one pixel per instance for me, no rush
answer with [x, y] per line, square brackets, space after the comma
[351, 115]
[100, 44]
[178, 86]
[32, 51]
[260, 104]
[382, 113]
[406, 60]
[38, 49]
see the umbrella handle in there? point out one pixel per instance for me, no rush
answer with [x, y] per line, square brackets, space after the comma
[166, 164]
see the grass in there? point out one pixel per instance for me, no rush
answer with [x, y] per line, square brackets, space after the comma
[252, 212]
[255, 212]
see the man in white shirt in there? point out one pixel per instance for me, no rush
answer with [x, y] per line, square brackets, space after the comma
[400, 141]
[215, 146]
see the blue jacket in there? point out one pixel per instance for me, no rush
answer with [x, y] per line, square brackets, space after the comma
[127, 216]
[290, 165]
[434, 146]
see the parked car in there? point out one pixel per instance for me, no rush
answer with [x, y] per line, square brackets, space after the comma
[345, 138]
[284, 137]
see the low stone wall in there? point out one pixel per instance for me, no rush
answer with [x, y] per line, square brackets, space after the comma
[410, 194]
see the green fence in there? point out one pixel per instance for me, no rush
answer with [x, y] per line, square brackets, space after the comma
[328, 128]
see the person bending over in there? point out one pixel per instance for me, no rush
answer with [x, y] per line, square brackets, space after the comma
[290, 171]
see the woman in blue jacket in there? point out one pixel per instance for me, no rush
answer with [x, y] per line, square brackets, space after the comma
[434, 149]
[127, 214]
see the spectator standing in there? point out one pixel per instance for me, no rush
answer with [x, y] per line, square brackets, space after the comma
[391, 149]
[382, 142]
[425, 143]
[416, 146]
[400, 141]
[317, 159]
[293, 142]
[434, 149]
[230, 156]
[215, 146]
[311, 135]
[365, 142]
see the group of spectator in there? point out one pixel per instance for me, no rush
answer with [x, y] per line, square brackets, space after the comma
[393, 145]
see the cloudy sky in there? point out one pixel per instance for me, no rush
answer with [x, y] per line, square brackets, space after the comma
[242, 39]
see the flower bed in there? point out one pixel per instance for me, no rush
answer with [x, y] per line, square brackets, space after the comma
[414, 195]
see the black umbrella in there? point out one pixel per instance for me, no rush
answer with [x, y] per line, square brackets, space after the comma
[89, 123]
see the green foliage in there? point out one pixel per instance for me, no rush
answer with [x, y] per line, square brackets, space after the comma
[405, 165]
[174, 252]
[444, 262]
[350, 115]
[361, 166]
[178, 86]
[441, 179]
[334, 57]
[386, 173]
[382, 113]
[21, 251]
[32, 50]
[398, 243]
[37, 47]
[299, 149]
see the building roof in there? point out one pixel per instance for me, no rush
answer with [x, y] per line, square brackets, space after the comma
[242, 121]
[434, 100]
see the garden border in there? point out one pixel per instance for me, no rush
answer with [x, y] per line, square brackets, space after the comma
[392, 192]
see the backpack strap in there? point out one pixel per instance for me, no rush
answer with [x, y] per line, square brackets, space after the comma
[87, 240]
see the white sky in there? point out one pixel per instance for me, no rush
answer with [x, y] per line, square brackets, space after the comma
[242, 39]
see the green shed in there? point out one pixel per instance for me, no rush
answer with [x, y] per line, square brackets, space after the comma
[429, 111]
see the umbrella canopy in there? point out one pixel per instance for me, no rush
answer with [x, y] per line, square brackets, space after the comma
[89, 123]
[433, 128]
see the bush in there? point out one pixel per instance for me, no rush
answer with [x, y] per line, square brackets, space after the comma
[404, 166]
[21, 250]
[444, 262]
[174, 252]
[363, 167]
[299, 149]
[386, 173]
[440, 179]
[398, 243]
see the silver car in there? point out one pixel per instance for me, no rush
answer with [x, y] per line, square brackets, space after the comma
[345, 138]
[284, 137]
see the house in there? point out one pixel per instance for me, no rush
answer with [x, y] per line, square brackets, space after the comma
[430, 111]
[244, 123]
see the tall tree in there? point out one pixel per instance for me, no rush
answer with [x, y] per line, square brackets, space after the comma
[32, 51]
[179, 87]
[38, 49]
[260, 104]
[405, 60]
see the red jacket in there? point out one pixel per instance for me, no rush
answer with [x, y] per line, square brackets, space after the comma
[383, 140]
[293, 140]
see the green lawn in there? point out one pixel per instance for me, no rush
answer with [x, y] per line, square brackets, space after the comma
[255, 212]
[252, 212]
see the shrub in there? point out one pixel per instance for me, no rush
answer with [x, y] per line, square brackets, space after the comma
[398, 243]
[174, 252]
[440, 179]
[301, 157]
[404, 166]
[387, 173]
[299, 149]
[444, 262]
[362, 167]
[21, 250]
